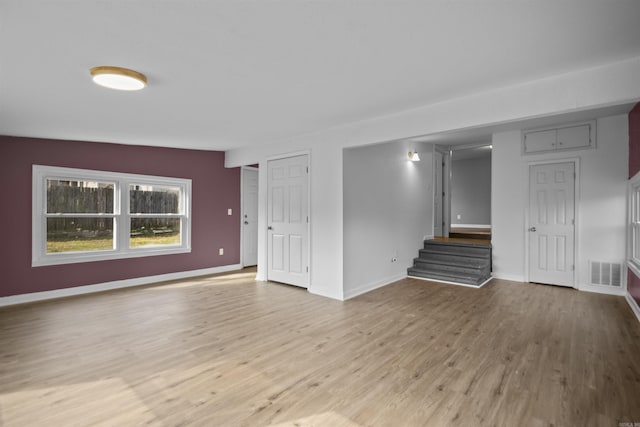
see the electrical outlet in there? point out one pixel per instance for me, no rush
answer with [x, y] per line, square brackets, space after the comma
[221, 251]
[458, 216]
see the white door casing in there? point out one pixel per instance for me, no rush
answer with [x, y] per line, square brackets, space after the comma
[446, 198]
[438, 195]
[288, 220]
[552, 223]
[249, 217]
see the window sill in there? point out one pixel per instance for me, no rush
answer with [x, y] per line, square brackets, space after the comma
[80, 257]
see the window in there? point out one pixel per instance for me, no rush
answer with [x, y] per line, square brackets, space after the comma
[633, 234]
[85, 215]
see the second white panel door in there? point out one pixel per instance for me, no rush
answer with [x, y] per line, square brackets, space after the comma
[287, 218]
[552, 223]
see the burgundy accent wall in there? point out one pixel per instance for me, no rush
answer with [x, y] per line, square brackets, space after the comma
[633, 282]
[214, 190]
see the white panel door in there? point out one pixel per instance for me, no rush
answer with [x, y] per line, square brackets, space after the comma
[288, 221]
[551, 223]
[249, 217]
[438, 196]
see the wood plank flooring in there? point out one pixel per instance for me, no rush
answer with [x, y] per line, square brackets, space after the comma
[228, 351]
[463, 240]
[470, 233]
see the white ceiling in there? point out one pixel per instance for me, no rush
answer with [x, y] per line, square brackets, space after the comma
[231, 73]
[472, 137]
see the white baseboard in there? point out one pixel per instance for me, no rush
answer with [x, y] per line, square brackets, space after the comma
[117, 284]
[632, 303]
[509, 277]
[363, 289]
[452, 283]
[470, 225]
[602, 290]
[324, 292]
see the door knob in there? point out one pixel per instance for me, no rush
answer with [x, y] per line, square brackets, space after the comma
[532, 229]
[269, 228]
[246, 222]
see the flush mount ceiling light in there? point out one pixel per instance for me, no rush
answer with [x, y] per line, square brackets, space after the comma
[413, 156]
[118, 78]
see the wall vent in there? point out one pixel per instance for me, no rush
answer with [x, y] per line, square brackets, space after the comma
[606, 274]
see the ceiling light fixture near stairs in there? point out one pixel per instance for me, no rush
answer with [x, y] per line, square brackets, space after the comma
[118, 78]
[413, 156]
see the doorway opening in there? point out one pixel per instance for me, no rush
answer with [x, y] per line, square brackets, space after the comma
[470, 192]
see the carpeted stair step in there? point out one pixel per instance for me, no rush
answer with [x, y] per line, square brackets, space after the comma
[482, 250]
[458, 278]
[476, 269]
[453, 258]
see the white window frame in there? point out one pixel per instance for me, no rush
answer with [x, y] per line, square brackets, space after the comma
[633, 224]
[121, 216]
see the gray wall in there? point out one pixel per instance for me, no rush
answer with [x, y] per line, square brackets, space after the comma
[471, 190]
[388, 210]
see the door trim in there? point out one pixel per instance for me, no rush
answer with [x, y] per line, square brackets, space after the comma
[243, 168]
[446, 187]
[437, 196]
[266, 208]
[576, 226]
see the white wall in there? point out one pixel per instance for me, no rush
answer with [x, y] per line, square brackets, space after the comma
[508, 206]
[471, 191]
[584, 89]
[601, 200]
[325, 216]
[388, 210]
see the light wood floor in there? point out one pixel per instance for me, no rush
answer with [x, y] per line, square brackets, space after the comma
[226, 351]
[463, 240]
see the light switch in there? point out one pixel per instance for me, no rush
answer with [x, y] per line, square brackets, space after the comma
[229, 212]
[221, 251]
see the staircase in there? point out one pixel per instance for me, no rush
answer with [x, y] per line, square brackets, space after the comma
[456, 262]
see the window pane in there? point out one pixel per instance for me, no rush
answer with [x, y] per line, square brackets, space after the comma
[79, 234]
[153, 199]
[154, 231]
[79, 196]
